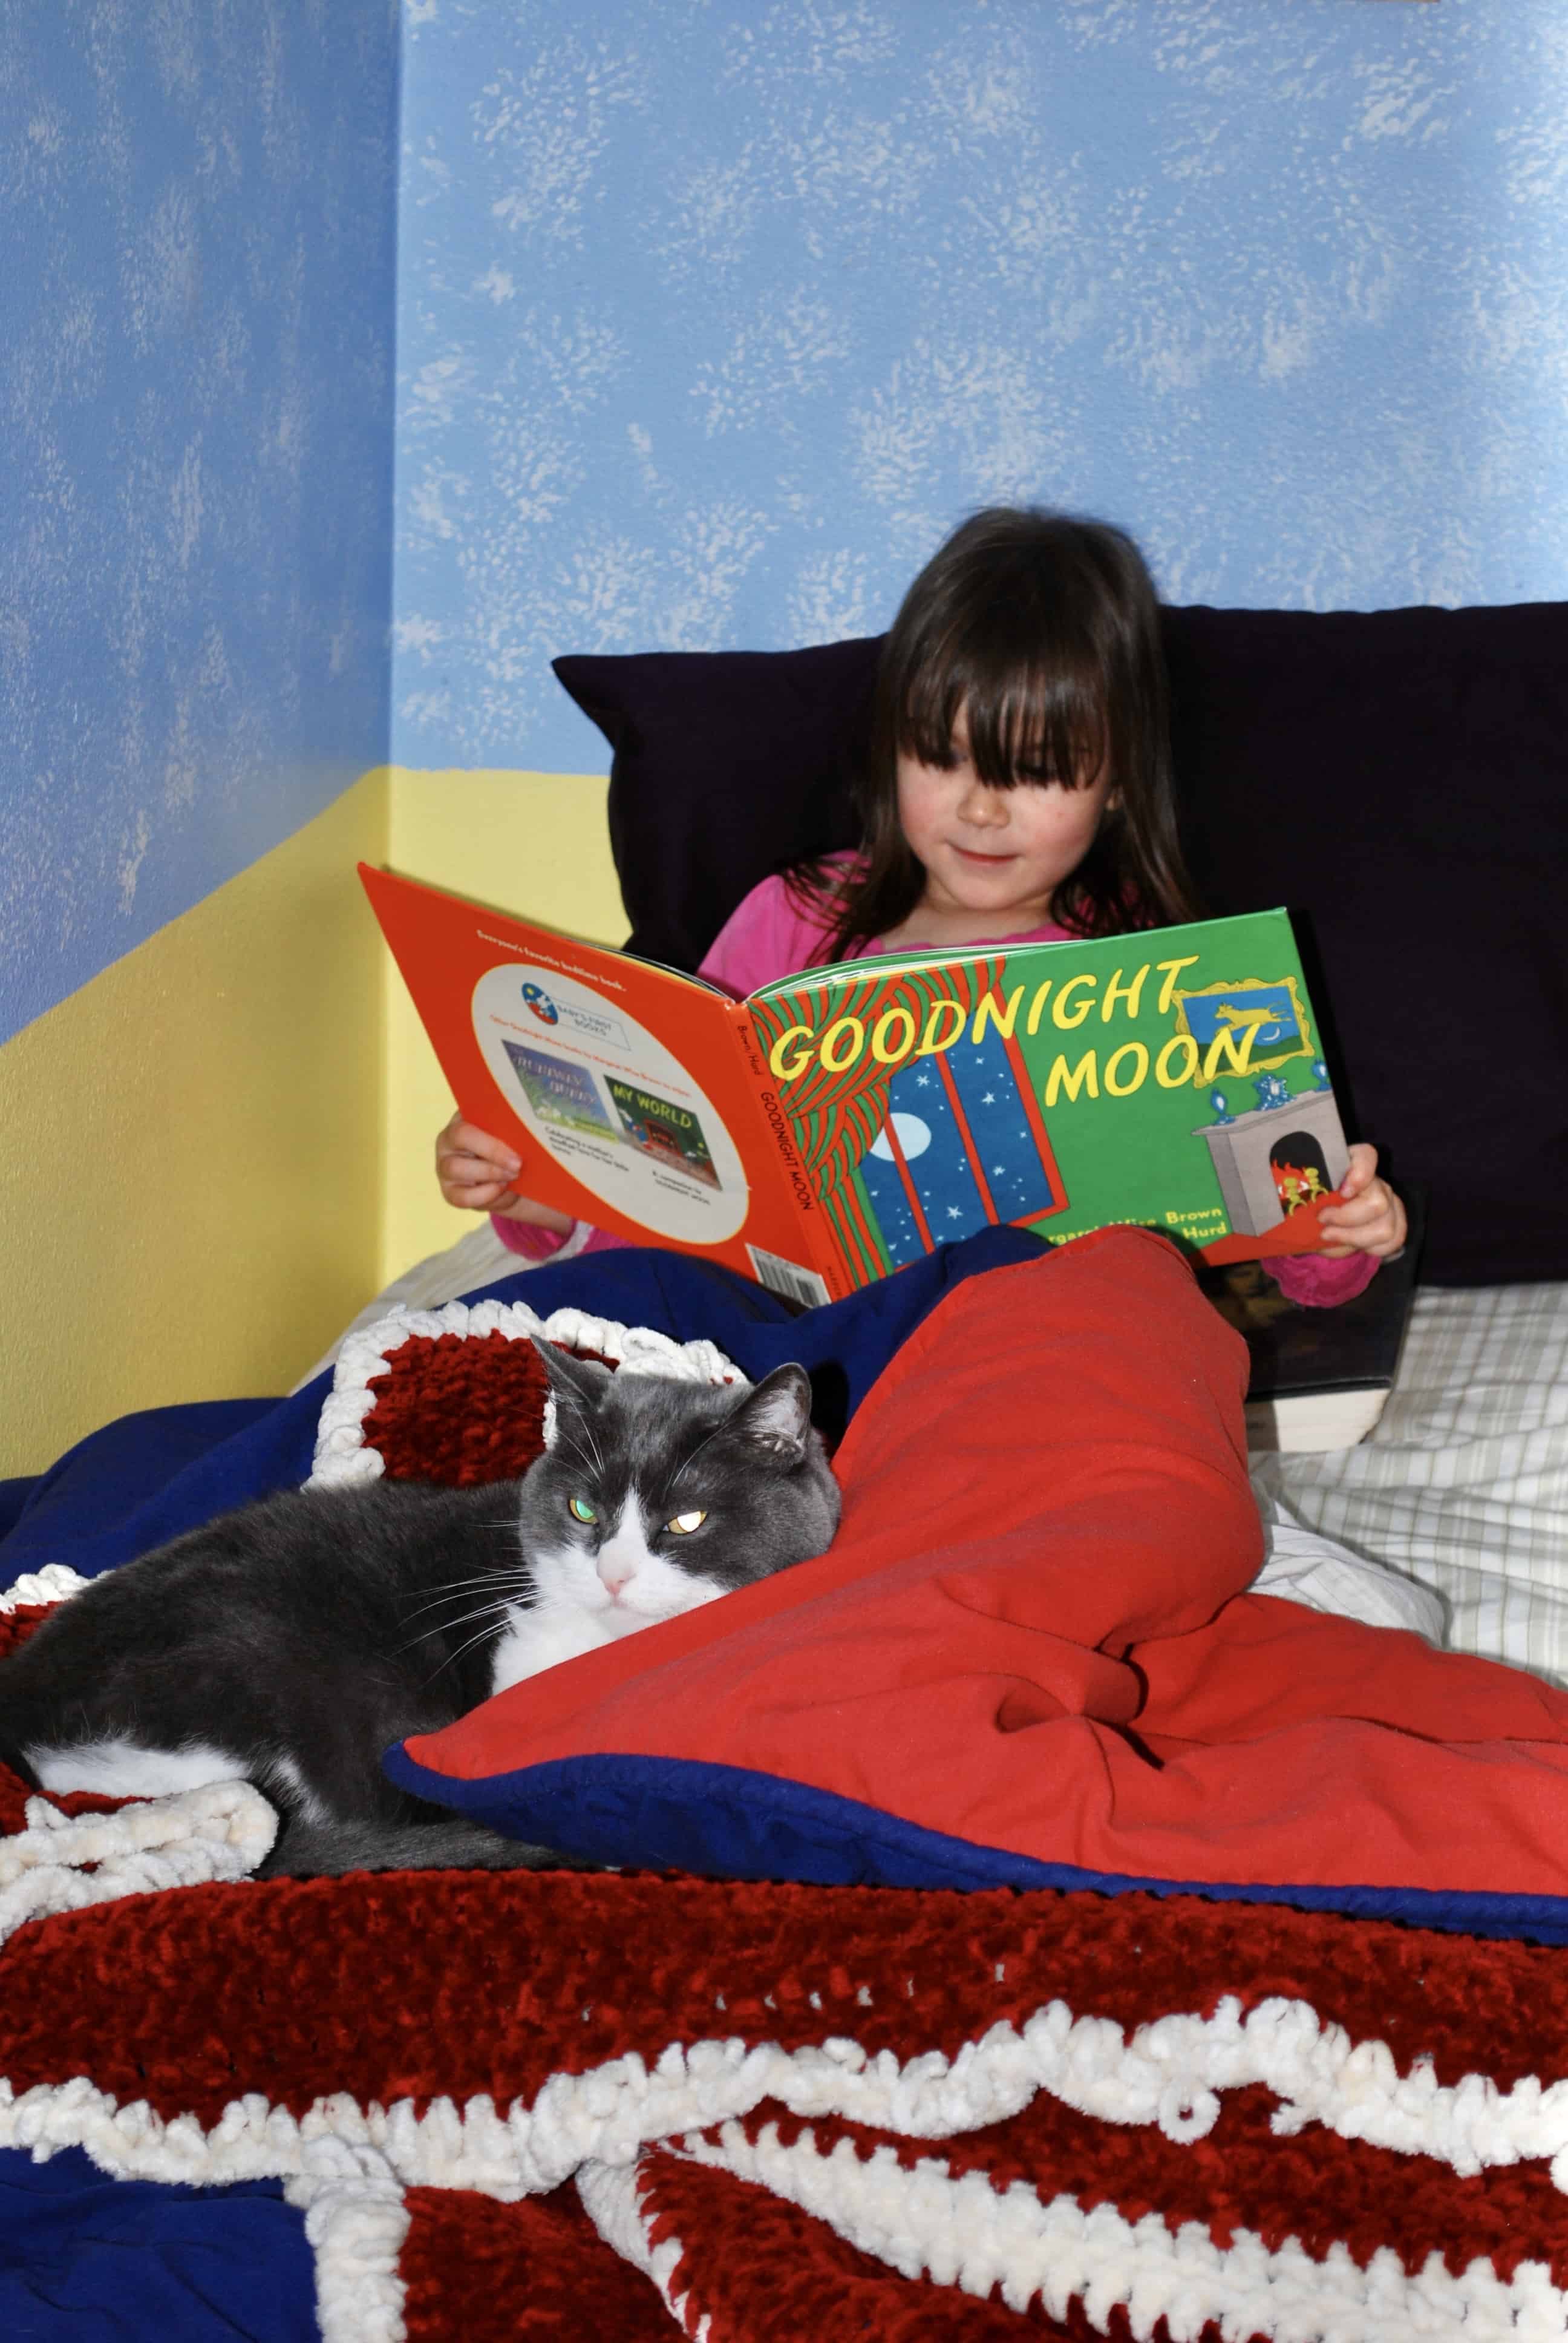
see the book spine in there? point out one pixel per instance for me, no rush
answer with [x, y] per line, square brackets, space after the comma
[814, 1234]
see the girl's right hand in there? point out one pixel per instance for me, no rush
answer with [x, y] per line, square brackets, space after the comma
[476, 1174]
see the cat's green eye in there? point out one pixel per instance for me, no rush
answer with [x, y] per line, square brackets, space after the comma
[581, 1511]
[684, 1524]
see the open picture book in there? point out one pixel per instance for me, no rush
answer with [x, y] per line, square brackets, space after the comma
[846, 1119]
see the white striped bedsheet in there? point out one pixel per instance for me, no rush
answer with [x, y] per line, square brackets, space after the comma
[1462, 1483]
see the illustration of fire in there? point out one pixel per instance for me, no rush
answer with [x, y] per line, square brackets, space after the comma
[1300, 1170]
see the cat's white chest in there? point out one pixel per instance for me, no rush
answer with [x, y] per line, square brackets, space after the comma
[541, 1638]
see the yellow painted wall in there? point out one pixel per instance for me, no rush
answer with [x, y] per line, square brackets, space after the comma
[219, 1149]
[190, 1178]
[534, 843]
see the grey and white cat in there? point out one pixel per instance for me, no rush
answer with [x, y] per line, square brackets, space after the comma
[292, 1642]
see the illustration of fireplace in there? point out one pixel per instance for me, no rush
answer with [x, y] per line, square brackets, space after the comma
[1261, 1157]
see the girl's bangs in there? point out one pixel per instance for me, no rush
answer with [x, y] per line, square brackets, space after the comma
[1026, 719]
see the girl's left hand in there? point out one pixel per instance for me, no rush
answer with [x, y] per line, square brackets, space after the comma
[1370, 1218]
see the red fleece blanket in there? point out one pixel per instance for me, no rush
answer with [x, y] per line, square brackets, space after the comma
[1033, 1633]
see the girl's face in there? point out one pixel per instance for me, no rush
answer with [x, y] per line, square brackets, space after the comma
[993, 858]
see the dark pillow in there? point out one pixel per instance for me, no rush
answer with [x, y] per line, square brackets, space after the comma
[728, 765]
[1399, 777]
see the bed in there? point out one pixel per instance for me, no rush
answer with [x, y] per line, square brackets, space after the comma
[1246, 2023]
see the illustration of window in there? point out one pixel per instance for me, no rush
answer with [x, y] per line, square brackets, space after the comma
[964, 1146]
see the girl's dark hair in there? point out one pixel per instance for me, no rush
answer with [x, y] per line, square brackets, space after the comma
[1045, 631]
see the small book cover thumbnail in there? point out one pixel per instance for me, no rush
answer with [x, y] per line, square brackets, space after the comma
[1320, 1378]
[658, 1128]
[557, 1090]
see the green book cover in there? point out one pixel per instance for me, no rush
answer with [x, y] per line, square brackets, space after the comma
[1173, 1079]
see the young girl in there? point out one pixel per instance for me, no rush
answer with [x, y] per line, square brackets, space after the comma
[1018, 789]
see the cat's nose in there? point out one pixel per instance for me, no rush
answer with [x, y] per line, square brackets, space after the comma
[623, 1551]
[616, 1571]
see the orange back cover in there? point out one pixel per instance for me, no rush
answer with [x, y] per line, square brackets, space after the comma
[626, 1090]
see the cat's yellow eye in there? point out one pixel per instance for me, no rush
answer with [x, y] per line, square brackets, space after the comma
[581, 1511]
[684, 1524]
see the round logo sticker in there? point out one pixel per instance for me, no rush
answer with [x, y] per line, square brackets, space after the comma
[613, 1106]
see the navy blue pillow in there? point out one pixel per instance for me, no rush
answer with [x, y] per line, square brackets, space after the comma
[728, 765]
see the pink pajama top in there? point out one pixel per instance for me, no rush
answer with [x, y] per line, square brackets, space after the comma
[769, 935]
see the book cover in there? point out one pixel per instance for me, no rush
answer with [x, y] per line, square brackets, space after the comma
[1172, 1079]
[628, 1091]
[842, 1122]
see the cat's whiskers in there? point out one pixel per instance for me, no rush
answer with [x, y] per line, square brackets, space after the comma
[574, 1456]
[514, 1591]
[455, 1626]
[457, 1587]
[452, 1585]
[687, 1461]
[565, 1428]
[453, 1657]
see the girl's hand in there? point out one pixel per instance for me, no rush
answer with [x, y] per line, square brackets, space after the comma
[1370, 1219]
[476, 1173]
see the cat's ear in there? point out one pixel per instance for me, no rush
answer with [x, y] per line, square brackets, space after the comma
[775, 1420]
[575, 1383]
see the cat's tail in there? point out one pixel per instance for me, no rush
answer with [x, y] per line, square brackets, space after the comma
[326, 1849]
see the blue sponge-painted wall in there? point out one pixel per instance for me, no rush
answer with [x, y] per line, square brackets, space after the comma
[199, 209]
[714, 315]
[709, 317]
